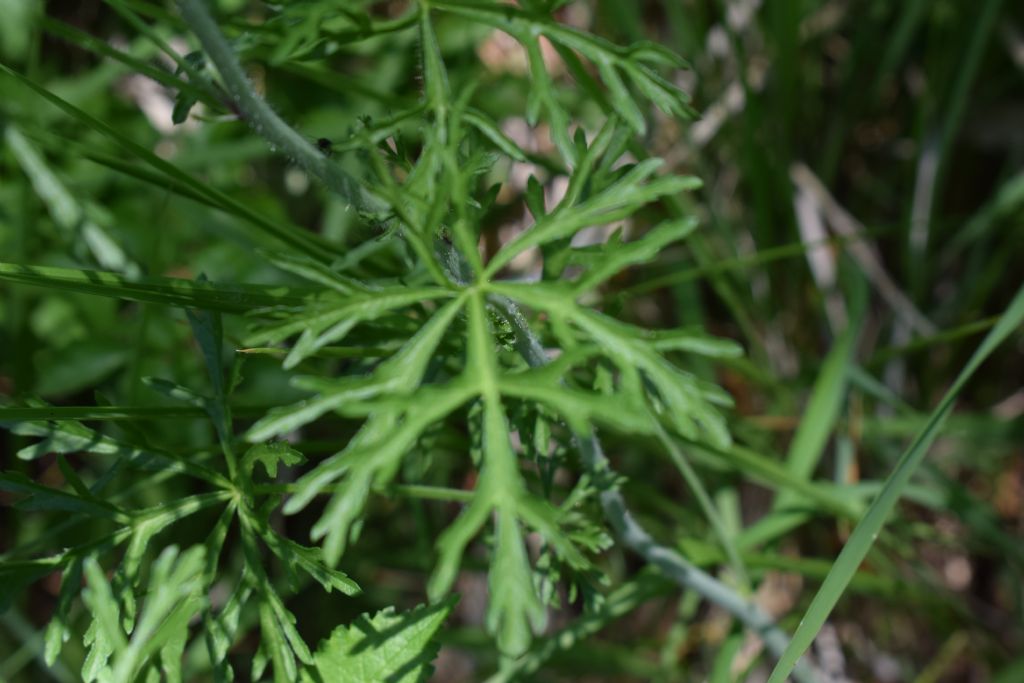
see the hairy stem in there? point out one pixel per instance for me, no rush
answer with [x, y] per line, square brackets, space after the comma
[261, 117]
[268, 125]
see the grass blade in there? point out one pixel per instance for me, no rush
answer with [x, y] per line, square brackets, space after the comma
[811, 438]
[864, 535]
[158, 290]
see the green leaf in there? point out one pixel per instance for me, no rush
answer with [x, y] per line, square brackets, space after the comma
[514, 606]
[280, 641]
[222, 629]
[621, 99]
[580, 408]
[617, 201]
[371, 457]
[693, 341]
[451, 545]
[435, 77]
[316, 272]
[177, 392]
[487, 127]
[270, 454]
[284, 419]
[542, 96]
[104, 49]
[39, 497]
[390, 646]
[328, 324]
[105, 634]
[400, 374]
[526, 26]
[209, 332]
[70, 436]
[176, 594]
[617, 255]
[679, 398]
[58, 630]
[295, 556]
[127, 577]
[160, 290]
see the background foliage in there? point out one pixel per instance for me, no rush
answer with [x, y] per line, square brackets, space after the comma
[389, 439]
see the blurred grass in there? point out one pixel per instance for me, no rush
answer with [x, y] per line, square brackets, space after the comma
[909, 113]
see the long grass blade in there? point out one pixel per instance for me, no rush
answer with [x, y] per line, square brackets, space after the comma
[864, 535]
[177, 292]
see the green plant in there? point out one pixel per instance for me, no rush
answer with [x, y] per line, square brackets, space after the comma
[417, 357]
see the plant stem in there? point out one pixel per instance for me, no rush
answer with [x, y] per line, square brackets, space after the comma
[267, 124]
[635, 536]
[261, 117]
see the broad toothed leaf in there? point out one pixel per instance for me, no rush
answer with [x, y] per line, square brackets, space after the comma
[392, 646]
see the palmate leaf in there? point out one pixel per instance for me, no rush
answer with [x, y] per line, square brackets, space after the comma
[514, 609]
[395, 421]
[398, 408]
[391, 646]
